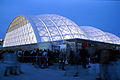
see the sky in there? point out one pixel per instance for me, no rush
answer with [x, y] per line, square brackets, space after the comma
[101, 14]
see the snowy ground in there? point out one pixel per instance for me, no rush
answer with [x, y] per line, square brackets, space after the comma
[52, 73]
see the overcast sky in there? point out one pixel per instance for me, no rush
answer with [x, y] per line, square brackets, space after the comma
[104, 15]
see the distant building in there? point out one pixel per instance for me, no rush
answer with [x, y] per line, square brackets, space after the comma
[48, 30]
[1, 43]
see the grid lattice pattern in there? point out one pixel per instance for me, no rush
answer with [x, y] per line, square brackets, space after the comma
[54, 27]
[20, 36]
[98, 35]
[51, 27]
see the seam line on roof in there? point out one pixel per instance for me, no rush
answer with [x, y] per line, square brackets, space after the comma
[57, 28]
[46, 28]
[68, 29]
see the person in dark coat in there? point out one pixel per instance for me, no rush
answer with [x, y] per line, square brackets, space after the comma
[71, 58]
[40, 58]
[104, 58]
[26, 56]
[84, 55]
[33, 54]
[62, 58]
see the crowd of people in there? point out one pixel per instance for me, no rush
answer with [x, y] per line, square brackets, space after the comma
[36, 57]
[107, 58]
[45, 58]
[40, 58]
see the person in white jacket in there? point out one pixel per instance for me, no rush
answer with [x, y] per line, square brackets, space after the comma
[8, 61]
[45, 59]
[11, 62]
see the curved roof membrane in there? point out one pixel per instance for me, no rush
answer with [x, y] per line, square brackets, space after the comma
[49, 27]
[98, 35]
[113, 38]
[20, 32]
[95, 34]
[54, 27]
[41, 28]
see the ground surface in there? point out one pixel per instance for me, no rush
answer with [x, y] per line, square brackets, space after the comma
[52, 73]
